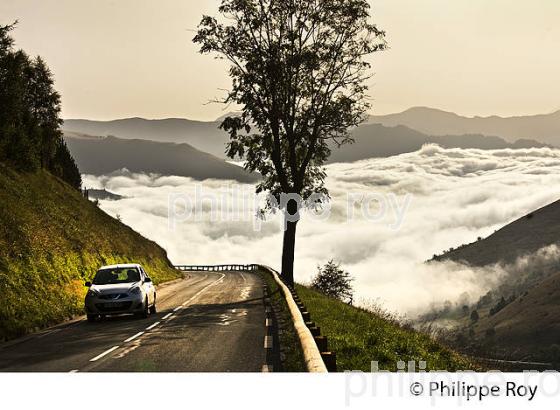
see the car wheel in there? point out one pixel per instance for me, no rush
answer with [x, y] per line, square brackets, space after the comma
[146, 311]
[91, 318]
[153, 309]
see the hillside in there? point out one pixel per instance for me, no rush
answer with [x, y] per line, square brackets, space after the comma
[205, 136]
[358, 336]
[103, 155]
[528, 328]
[380, 141]
[519, 319]
[544, 128]
[52, 240]
[524, 236]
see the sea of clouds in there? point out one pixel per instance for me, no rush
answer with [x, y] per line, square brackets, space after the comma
[386, 217]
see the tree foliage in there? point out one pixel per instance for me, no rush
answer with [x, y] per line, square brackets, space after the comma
[30, 136]
[299, 72]
[333, 281]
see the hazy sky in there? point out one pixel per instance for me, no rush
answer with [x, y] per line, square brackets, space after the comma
[115, 59]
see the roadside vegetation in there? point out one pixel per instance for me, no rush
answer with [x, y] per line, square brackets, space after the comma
[359, 336]
[51, 238]
[51, 241]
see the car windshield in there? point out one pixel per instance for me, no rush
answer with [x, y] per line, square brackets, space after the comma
[120, 275]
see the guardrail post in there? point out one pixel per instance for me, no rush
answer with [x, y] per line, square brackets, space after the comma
[330, 360]
[322, 343]
[315, 331]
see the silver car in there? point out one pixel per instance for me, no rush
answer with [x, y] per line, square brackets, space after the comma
[119, 289]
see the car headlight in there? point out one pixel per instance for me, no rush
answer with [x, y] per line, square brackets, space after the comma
[92, 293]
[135, 290]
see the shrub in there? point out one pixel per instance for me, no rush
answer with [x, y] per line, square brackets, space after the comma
[474, 316]
[333, 281]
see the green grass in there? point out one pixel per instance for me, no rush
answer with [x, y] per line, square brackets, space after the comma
[288, 338]
[359, 336]
[51, 241]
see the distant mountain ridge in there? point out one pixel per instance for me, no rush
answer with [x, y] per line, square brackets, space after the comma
[371, 140]
[205, 136]
[376, 140]
[103, 195]
[104, 155]
[543, 127]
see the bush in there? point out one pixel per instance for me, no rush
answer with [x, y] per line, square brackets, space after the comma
[333, 281]
[475, 316]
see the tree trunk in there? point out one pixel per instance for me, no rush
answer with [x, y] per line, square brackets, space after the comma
[288, 252]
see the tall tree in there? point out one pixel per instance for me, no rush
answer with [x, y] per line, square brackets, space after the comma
[44, 105]
[30, 136]
[299, 71]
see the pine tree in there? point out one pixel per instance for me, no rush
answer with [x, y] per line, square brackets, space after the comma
[30, 136]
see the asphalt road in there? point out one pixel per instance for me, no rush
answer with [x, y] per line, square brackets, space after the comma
[209, 322]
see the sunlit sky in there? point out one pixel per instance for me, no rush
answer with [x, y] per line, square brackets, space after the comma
[115, 59]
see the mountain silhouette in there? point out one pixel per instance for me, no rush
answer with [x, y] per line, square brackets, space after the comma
[103, 155]
[376, 140]
[544, 127]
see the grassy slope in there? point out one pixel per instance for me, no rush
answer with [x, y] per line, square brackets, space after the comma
[358, 336]
[51, 240]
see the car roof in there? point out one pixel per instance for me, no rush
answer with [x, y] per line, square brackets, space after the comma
[121, 266]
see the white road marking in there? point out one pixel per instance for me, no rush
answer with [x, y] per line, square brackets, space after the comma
[105, 353]
[243, 276]
[204, 289]
[177, 308]
[268, 322]
[131, 338]
[268, 342]
[167, 316]
[152, 326]
[267, 368]
[74, 371]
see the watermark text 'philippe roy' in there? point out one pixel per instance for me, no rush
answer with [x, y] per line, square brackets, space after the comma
[235, 203]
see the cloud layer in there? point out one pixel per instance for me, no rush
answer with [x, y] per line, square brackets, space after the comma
[438, 198]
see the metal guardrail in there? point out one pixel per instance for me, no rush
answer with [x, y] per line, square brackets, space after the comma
[216, 268]
[312, 355]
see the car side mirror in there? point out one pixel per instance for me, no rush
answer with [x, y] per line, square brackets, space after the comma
[148, 280]
[88, 284]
